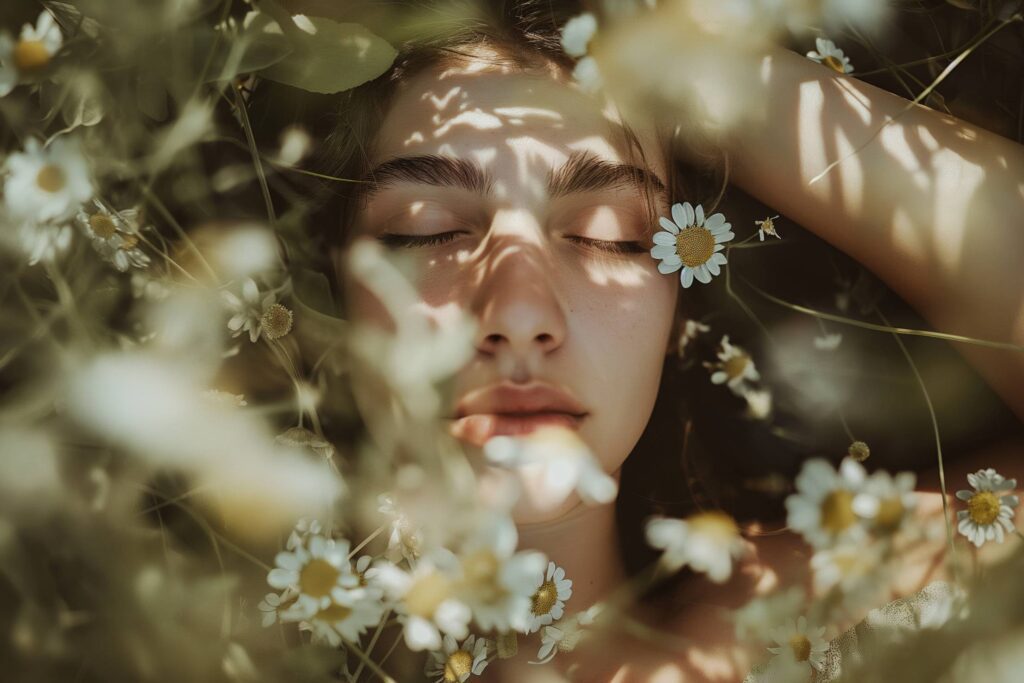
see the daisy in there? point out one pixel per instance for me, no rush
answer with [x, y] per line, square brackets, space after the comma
[759, 403]
[114, 235]
[735, 367]
[319, 572]
[249, 310]
[552, 592]
[42, 241]
[988, 512]
[348, 616]
[767, 227]
[858, 571]
[831, 56]
[276, 321]
[822, 508]
[456, 663]
[885, 501]
[498, 583]
[565, 635]
[800, 646]
[562, 459]
[426, 600]
[577, 33]
[828, 342]
[33, 51]
[707, 541]
[46, 184]
[691, 242]
[304, 528]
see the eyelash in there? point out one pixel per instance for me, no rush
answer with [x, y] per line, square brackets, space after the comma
[413, 241]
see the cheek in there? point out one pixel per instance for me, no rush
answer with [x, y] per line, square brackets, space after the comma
[625, 338]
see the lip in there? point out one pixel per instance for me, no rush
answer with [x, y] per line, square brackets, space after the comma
[513, 409]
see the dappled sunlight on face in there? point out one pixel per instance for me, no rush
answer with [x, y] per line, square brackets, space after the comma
[516, 199]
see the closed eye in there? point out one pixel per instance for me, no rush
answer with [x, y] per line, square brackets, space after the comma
[609, 245]
[392, 240]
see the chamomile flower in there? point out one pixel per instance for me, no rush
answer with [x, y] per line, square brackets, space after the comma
[319, 572]
[114, 235]
[707, 541]
[565, 635]
[735, 368]
[691, 242]
[249, 310]
[456, 663]
[858, 571]
[822, 508]
[886, 502]
[30, 54]
[767, 227]
[990, 506]
[426, 600]
[799, 645]
[831, 56]
[46, 184]
[548, 602]
[498, 583]
[348, 616]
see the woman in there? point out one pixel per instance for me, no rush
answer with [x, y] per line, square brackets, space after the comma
[530, 205]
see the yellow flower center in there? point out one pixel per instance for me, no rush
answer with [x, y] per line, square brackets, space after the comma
[837, 511]
[695, 245]
[459, 664]
[890, 514]
[318, 577]
[50, 178]
[333, 613]
[276, 321]
[859, 451]
[736, 366]
[983, 507]
[714, 523]
[801, 647]
[30, 55]
[833, 63]
[102, 226]
[481, 572]
[545, 598]
[768, 225]
[427, 594]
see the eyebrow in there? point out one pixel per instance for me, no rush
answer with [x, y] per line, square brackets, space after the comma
[582, 172]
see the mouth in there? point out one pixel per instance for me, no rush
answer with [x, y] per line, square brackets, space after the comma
[478, 428]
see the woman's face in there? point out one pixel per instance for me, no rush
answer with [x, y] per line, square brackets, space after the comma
[519, 202]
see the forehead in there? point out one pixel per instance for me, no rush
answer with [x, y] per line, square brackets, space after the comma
[516, 124]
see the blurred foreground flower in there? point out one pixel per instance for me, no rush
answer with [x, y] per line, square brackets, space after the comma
[31, 53]
[989, 512]
[556, 461]
[822, 508]
[800, 648]
[707, 541]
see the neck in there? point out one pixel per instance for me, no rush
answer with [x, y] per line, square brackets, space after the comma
[584, 543]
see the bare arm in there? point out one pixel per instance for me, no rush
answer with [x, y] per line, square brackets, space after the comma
[932, 205]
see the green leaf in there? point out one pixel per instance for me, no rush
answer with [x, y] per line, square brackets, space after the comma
[329, 56]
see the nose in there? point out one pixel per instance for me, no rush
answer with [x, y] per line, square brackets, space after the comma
[518, 308]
